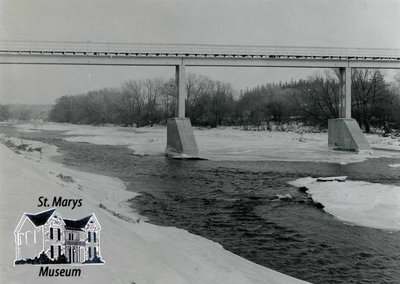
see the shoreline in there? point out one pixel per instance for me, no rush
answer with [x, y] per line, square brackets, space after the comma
[87, 185]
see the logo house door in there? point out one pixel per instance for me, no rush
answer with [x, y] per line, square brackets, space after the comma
[73, 248]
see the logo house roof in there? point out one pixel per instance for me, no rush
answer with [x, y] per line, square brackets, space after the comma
[37, 219]
[81, 223]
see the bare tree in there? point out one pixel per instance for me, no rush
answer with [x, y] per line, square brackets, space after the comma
[369, 90]
[319, 99]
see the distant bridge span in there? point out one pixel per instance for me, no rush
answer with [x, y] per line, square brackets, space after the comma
[344, 133]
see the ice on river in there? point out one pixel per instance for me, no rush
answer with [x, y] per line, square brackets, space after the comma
[357, 202]
[224, 143]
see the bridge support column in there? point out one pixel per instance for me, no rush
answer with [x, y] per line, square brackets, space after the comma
[180, 135]
[344, 133]
[345, 92]
[181, 87]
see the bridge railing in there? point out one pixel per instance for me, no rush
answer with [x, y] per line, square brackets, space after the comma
[194, 49]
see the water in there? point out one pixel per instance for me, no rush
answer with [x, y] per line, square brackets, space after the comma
[233, 204]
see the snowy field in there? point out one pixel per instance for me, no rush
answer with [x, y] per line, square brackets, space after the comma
[225, 143]
[134, 251]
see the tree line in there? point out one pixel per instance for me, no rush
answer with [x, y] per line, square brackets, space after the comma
[147, 102]
[375, 102]
[24, 112]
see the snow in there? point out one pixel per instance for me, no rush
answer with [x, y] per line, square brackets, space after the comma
[357, 202]
[286, 196]
[394, 165]
[341, 178]
[386, 143]
[225, 143]
[134, 251]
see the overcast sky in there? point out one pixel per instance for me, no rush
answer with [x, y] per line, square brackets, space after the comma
[337, 23]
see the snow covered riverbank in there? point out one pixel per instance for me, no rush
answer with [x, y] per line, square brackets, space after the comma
[152, 254]
[224, 143]
[134, 251]
[357, 202]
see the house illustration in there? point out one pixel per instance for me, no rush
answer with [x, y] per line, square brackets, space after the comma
[76, 241]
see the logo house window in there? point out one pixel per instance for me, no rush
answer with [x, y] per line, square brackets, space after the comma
[52, 234]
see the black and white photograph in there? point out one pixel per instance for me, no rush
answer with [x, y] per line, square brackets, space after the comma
[200, 141]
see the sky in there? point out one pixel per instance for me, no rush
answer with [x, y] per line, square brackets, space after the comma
[322, 23]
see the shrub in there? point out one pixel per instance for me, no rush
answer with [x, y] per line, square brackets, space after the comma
[95, 259]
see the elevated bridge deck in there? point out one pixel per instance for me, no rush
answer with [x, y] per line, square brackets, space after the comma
[100, 53]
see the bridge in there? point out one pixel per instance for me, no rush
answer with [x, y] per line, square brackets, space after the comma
[344, 132]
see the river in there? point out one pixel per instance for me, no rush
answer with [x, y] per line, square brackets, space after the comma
[234, 204]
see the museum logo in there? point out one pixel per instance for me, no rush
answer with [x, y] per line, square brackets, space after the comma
[46, 238]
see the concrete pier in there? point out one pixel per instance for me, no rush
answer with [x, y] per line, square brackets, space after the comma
[344, 133]
[180, 138]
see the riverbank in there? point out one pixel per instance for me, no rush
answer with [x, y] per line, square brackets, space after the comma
[134, 251]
